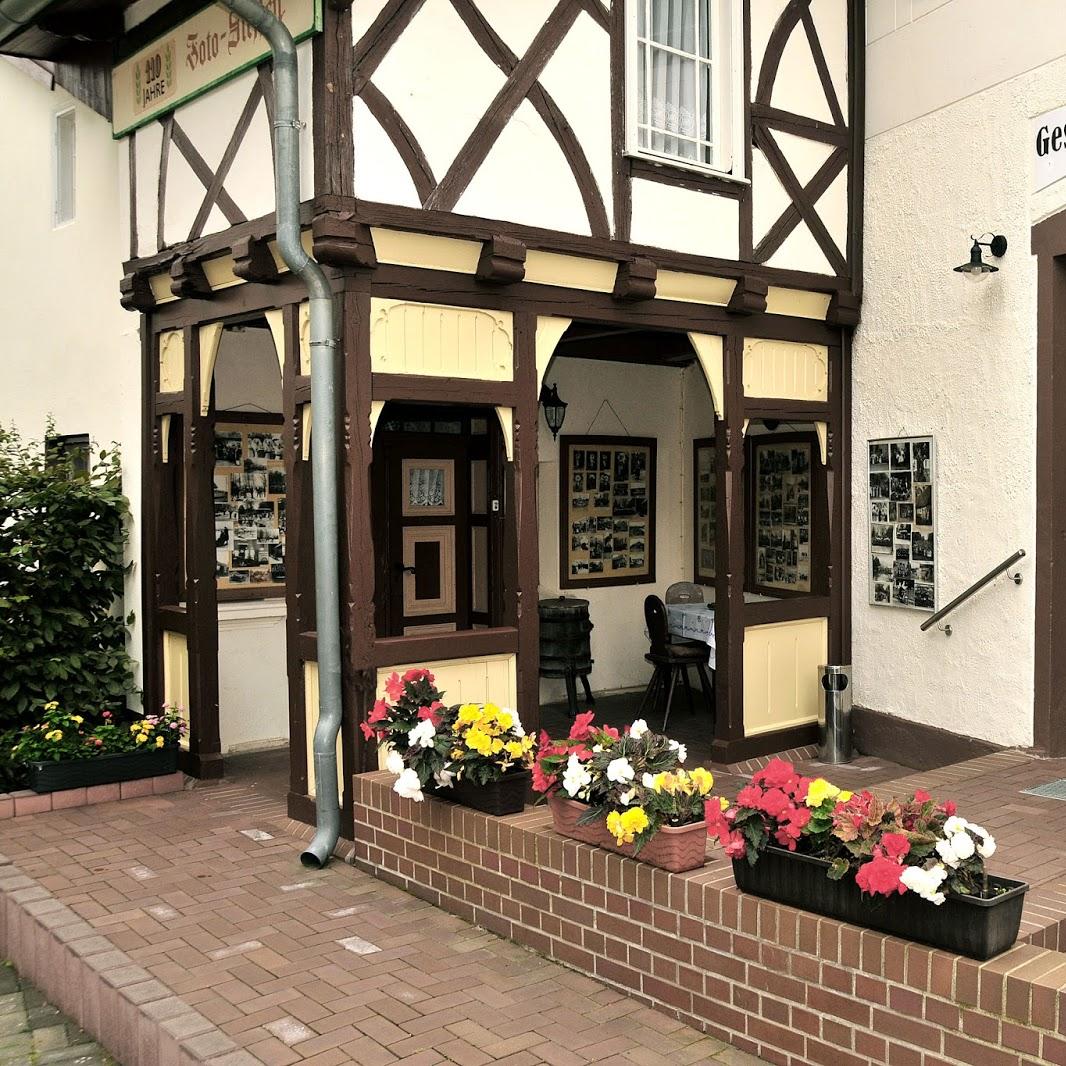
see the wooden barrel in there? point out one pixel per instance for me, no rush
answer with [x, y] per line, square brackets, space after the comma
[564, 637]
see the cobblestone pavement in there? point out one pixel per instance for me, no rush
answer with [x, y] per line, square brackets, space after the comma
[34, 1033]
[199, 896]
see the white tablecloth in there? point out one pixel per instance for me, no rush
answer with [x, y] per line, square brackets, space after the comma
[693, 621]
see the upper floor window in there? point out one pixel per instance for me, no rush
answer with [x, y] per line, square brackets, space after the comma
[680, 82]
[63, 168]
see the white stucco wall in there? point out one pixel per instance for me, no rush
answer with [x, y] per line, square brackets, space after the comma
[671, 405]
[69, 350]
[937, 354]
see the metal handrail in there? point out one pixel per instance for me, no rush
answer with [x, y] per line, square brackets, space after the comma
[976, 587]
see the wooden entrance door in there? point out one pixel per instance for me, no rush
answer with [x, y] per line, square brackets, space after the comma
[440, 504]
[423, 483]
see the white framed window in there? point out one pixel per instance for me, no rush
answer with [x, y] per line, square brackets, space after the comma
[684, 65]
[63, 167]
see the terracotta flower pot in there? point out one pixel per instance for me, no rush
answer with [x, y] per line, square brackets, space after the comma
[672, 848]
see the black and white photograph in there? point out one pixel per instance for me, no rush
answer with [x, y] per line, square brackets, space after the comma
[906, 510]
[603, 488]
[229, 448]
[265, 446]
[783, 514]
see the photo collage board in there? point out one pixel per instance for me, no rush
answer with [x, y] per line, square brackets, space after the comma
[250, 514]
[902, 522]
[706, 532]
[783, 516]
[607, 502]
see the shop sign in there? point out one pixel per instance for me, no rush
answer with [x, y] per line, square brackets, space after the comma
[201, 52]
[1048, 140]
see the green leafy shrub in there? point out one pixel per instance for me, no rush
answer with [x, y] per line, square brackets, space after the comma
[62, 536]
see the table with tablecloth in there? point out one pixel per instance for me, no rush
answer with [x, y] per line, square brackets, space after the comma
[693, 621]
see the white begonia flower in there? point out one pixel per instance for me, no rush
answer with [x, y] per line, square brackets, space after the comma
[925, 883]
[648, 780]
[575, 776]
[620, 770]
[954, 825]
[444, 778]
[422, 735]
[394, 762]
[946, 851]
[597, 747]
[516, 723]
[408, 786]
[962, 844]
[682, 751]
[987, 848]
[627, 797]
[638, 729]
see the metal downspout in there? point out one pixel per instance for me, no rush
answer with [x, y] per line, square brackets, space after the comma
[287, 128]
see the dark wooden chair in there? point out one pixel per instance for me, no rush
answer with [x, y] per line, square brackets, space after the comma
[671, 661]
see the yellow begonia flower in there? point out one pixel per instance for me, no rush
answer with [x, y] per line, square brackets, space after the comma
[723, 803]
[514, 749]
[819, 790]
[457, 753]
[702, 779]
[134, 727]
[52, 705]
[469, 713]
[506, 719]
[77, 718]
[141, 738]
[625, 826]
[844, 796]
[158, 742]
[55, 734]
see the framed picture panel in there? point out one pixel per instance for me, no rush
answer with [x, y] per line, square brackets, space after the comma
[705, 510]
[902, 512]
[606, 511]
[249, 497]
[783, 498]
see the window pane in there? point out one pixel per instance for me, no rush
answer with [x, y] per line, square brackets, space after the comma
[706, 100]
[673, 23]
[64, 168]
[673, 97]
[642, 84]
[705, 28]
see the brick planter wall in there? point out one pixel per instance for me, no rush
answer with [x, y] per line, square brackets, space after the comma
[788, 986]
[18, 804]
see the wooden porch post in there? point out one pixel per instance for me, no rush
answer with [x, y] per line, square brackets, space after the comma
[525, 519]
[729, 583]
[200, 588]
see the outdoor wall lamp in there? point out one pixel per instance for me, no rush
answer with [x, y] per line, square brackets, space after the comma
[976, 269]
[554, 408]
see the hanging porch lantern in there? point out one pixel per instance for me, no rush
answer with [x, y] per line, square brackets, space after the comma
[977, 269]
[554, 408]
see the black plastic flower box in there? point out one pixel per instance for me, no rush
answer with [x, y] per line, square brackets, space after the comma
[101, 769]
[964, 925]
[506, 795]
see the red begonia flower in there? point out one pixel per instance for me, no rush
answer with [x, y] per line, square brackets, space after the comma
[880, 876]
[582, 724]
[896, 845]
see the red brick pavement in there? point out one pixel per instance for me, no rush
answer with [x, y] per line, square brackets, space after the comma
[175, 937]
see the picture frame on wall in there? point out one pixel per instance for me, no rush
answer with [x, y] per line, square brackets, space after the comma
[704, 510]
[903, 559]
[249, 491]
[606, 511]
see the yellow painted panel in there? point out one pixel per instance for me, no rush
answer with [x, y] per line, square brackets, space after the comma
[484, 679]
[437, 340]
[304, 332]
[570, 271]
[160, 285]
[425, 250]
[549, 332]
[781, 663]
[176, 675]
[693, 288]
[171, 361]
[786, 370]
[711, 355]
[210, 336]
[219, 273]
[310, 724]
[797, 302]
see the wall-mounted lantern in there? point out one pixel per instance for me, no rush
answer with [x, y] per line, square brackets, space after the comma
[554, 408]
[977, 269]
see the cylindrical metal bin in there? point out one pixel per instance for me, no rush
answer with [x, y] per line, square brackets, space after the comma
[834, 718]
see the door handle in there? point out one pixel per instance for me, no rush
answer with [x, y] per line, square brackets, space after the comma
[405, 569]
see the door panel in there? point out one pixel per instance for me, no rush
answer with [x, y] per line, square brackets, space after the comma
[428, 551]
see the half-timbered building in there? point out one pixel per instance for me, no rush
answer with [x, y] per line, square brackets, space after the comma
[654, 206]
